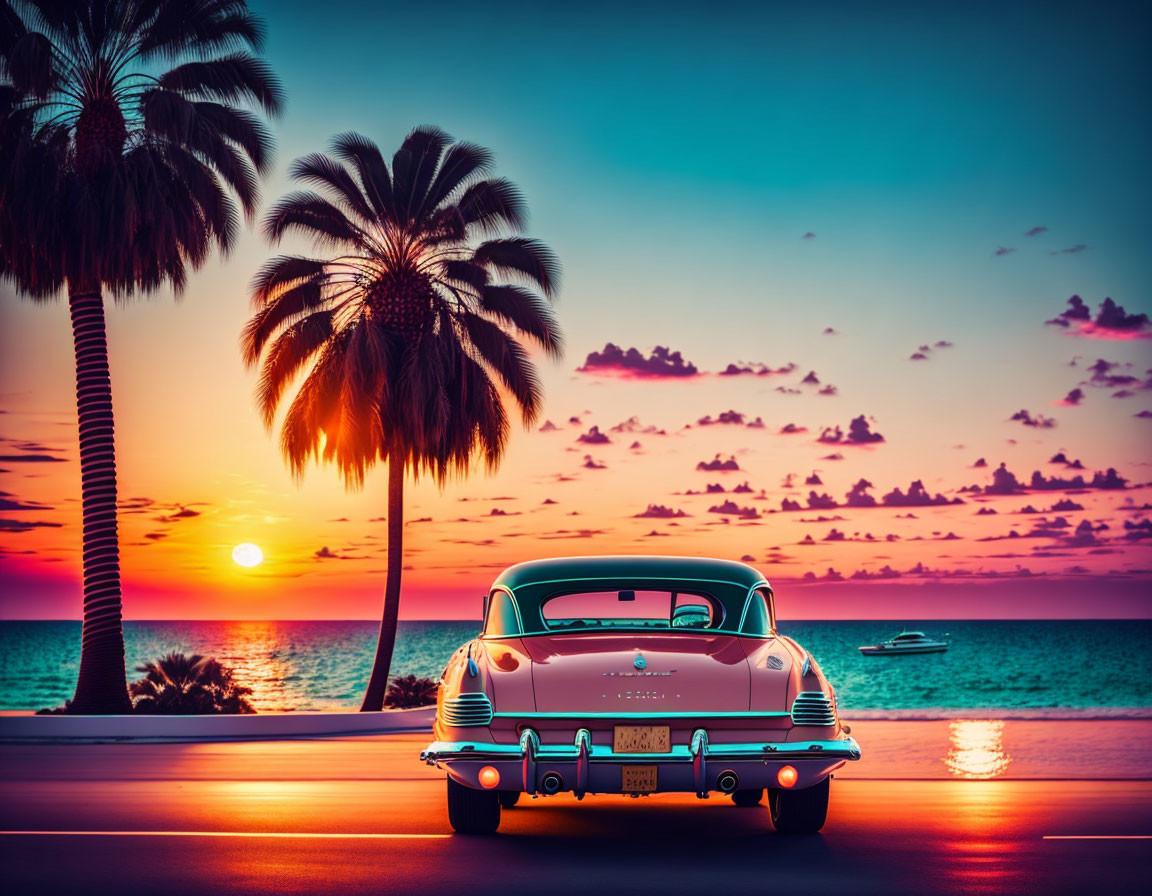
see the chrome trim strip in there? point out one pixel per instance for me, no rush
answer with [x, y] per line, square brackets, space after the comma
[474, 751]
[579, 716]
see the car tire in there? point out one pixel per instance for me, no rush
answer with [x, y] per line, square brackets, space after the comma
[748, 798]
[509, 798]
[472, 811]
[799, 811]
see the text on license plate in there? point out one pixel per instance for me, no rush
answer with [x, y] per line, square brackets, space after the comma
[638, 779]
[640, 739]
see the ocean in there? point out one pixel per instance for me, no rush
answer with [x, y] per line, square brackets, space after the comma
[1023, 669]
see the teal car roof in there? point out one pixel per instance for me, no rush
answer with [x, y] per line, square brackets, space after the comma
[638, 568]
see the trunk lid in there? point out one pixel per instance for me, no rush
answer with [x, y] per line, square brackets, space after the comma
[639, 672]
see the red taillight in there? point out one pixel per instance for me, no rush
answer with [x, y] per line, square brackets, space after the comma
[489, 777]
[787, 777]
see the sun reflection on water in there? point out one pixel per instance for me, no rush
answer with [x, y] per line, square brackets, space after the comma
[976, 749]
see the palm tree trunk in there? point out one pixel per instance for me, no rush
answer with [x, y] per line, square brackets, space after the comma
[101, 686]
[378, 682]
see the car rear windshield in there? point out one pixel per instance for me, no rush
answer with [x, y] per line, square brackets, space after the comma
[597, 610]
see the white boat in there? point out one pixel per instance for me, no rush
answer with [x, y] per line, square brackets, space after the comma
[906, 642]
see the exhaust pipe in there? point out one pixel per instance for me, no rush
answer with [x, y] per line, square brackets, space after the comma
[728, 781]
[551, 783]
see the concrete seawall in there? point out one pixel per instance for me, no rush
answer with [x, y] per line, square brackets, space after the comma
[29, 728]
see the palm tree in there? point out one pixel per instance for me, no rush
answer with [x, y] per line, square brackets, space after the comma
[182, 685]
[127, 136]
[408, 691]
[411, 326]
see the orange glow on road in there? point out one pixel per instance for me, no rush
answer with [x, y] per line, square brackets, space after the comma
[976, 749]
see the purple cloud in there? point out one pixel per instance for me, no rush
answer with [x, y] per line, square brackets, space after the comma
[1111, 321]
[1004, 250]
[663, 363]
[731, 508]
[1039, 421]
[859, 433]
[660, 512]
[1035, 231]
[1071, 250]
[594, 437]
[718, 464]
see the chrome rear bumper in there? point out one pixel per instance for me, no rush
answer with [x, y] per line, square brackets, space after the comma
[588, 768]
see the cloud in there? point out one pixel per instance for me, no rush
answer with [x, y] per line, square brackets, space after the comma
[1035, 231]
[916, 496]
[1004, 482]
[808, 236]
[1003, 250]
[734, 418]
[811, 379]
[859, 433]
[787, 390]
[1061, 458]
[1071, 250]
[980, 462]
[828, 390]
[590, 463]
[25, 525]
[813, 480]
[821, 502]
[859, 497]
[594, 437]
[918, 356]
[1143, 415]
[830, 576]
[499, 511]
[549, 426]
[943, 343]
[1039, 421]
[9, 503]
[741, 368]
[829, 331]
[635, 446]
[1111, 321]
[836, 455]
[718, 464]
[884, 572]
[633, 425]
[180, 513]
[792, 429]
[1072, 399]
[660, 512]
[731, 508]
[663, 363]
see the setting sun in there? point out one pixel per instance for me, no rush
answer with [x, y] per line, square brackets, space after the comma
[247, 554]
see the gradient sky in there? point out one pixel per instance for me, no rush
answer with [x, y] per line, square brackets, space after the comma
[727, 181]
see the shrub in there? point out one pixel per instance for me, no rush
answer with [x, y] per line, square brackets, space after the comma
[409, 691]
[187, 685]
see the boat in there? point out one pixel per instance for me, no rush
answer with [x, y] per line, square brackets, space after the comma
[905, 642]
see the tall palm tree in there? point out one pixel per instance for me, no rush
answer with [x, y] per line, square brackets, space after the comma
[412, 326]
[128, 132]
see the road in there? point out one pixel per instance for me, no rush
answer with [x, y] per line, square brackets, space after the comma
[361, 816]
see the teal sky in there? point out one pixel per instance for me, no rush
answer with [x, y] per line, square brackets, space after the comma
[675, 156]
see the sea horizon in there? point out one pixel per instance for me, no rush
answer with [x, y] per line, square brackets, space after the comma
[323, 665]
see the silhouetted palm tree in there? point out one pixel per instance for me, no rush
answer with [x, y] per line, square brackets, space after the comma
[409, 326]
[188, 685]
[125, 134]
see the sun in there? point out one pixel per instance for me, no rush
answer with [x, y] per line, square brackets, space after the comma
[247, 554]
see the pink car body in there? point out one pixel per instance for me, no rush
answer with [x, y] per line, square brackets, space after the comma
[707, 699]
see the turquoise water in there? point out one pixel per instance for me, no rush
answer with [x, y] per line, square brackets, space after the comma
[1033, 668]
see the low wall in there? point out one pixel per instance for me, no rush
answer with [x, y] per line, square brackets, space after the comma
[30, 728]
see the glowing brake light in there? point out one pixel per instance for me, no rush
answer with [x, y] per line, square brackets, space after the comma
[489, 777]
[786, 777]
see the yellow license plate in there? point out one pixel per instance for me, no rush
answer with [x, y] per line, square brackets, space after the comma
[640, 739]
[638, 779]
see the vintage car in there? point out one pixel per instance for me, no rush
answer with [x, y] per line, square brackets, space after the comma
[635, 675]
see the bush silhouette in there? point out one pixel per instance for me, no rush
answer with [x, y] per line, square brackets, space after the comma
[409, 691]
[181, 685]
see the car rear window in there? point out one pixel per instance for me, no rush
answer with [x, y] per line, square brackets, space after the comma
[628, 609]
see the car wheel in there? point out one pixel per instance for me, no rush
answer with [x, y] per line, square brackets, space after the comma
[509, 798]
[748, 798]
[799, 811]
[472, 811]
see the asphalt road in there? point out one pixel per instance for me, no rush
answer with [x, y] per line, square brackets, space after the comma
[362, 816]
